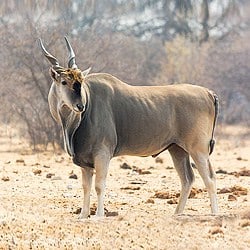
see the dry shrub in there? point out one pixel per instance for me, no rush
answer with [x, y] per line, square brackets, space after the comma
[185, 61]
[223, 66]
[126, 57]
[228, 72]
[24, 97]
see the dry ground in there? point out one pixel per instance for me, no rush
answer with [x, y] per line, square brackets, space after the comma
[39, 202]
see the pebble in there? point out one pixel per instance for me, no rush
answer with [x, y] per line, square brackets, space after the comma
[150, 200]
[125, 166]
[73, 176]
[5, 178]
[159, 160]
[37, 171]
[20, 161]
[49, 175]
[232, 197]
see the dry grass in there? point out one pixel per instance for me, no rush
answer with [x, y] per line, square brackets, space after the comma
[40, 203]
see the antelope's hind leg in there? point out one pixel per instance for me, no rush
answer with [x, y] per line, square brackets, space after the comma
[208, 175]
[183, 167]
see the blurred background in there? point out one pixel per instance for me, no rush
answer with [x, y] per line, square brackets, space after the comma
[142, 42]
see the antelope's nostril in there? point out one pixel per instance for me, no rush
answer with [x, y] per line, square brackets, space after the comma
[80, 107]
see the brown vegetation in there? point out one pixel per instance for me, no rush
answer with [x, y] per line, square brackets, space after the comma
[143, 53]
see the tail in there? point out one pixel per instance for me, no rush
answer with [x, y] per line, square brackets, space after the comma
[216, 109]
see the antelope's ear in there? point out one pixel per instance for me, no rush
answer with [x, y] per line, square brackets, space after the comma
[54, 75]
[86, 72]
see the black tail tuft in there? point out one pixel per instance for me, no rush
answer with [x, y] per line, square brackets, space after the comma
[211, 148]
[216, 109]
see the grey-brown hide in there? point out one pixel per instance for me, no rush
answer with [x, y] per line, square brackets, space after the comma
[120, 119]
[66, 102]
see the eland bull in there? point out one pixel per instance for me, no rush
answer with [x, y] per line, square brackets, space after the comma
[103, 117]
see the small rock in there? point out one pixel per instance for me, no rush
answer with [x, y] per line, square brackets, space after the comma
[140, 171]
[164, 195]
[93, 209]
[45, 166]
[158, 160]
[232, 197]
[111, 214]
[244, 172]
[77, 211]
[35, 164]
[138, 182]
[37, 171]
[245, 223]
[73, 176]
[224, 191]
[49, 175]
[130, 188]
[172, 201]
[150, 200]
[144, 172]
[20, 161]
[169, 167]
[125, 166]
[5, 178]
[238, 190]
[220, 171]
[216, 230]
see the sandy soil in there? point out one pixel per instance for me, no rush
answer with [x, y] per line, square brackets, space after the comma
[39, 202]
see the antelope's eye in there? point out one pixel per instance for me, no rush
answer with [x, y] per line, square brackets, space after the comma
[64, 83]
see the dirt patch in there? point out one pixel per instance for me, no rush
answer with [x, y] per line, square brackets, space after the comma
[40, 204]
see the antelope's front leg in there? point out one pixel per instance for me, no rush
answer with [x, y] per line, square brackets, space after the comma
[87, 174]
[101, 167]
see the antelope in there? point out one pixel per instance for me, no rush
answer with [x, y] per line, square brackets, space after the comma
[102, 117]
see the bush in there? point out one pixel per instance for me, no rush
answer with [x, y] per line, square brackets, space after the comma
[223, 66]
